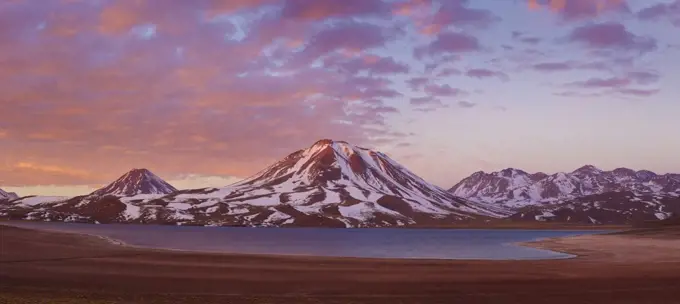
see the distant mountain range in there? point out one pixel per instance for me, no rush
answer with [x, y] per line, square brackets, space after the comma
[586, 195]
[336, 184]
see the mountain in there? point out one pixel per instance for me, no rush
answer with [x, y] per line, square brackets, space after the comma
[515, 188]
[135, 182]
[7, 196]
[331, 183]
[586, 195]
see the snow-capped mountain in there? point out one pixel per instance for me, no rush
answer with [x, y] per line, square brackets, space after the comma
[136, 182]
[7, 196]
[515, 188]
[331, 183]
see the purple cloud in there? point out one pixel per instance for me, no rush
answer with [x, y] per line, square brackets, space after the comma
[466, 104]
[450, 42]
[349, 36]
[611, 82]
[324, 9]
[577, 10]
[485, 73]
[443, 90]
[553, 66]
[370, 64]
[639, 92]
[611, 35]
[432, 17]
[417, 83]
[522, 37]
[662, 11]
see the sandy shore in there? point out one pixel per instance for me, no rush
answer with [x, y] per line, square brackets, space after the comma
[49, 267]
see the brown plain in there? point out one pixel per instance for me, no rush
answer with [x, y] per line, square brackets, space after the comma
[640, 266]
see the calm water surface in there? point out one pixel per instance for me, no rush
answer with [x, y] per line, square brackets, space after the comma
[368, 243]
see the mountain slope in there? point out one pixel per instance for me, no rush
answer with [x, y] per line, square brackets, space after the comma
[331, 172]
[515, 188]
[331, 183]
[625, 207]
[136, 182]
[7, 196]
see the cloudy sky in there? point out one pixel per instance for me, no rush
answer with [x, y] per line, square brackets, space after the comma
[205, 92]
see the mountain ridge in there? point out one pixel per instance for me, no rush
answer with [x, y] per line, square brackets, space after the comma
[514, 187]
[330, 183]
[586, 195]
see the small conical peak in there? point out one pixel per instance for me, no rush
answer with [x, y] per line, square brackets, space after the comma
[137, 181]
[588, 169]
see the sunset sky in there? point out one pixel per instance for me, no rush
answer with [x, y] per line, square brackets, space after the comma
[205, 92]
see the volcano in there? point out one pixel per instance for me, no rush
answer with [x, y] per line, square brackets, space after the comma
[136, 182]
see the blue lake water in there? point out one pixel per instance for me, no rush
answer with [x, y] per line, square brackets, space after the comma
[367, 243]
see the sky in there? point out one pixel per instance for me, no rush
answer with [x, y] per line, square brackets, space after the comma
[206, 92]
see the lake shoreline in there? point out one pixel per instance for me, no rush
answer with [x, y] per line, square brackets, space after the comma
[38, 264]
[513, 252]
[500, 225]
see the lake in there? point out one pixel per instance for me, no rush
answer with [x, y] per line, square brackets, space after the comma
[367, 243]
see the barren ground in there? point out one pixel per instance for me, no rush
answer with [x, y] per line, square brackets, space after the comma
[46, 267]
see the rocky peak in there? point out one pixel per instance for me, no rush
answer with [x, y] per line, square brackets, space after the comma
[510, 172]
[587, 169]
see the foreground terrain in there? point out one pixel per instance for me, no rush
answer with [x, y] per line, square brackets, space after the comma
[48, 267]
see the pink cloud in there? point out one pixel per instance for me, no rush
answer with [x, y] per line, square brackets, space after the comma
[577, 10]
[179, 100]
[611, 35]
[323, 9]
[432, 17]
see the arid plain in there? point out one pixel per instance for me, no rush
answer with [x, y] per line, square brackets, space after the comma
[638, 266]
